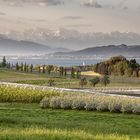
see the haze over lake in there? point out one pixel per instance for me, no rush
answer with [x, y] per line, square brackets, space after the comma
[58, 62]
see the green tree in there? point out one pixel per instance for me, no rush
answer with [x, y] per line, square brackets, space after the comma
[4, 62]
[105, 80]
[51, 82]
[50, 69]
[61, 71]
[65, 72]
[22, 67]
[78, 74]
[31, 68]
[83, 82]
[44, 68]
[94, 81]
[25, 67]
[72, 73]
[17, 66]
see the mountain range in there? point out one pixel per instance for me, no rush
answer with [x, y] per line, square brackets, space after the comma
[22, 47]
[73, 39]
[107, 51]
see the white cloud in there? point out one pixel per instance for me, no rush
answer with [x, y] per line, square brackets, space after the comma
[92, 3]
[17, 3]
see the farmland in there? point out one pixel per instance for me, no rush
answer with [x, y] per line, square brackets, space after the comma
[31, 122]
[20, 111]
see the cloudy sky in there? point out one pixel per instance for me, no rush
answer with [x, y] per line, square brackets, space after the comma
[82, 15]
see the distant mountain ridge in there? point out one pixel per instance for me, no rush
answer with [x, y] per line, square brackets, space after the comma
[111, 50]
[17, 47]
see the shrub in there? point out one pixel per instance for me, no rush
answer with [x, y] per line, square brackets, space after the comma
[136, 108]
[55, 103]
[78, 104]
[66, 103]
[92, 102]
[115, 105]
[127, 107]
[45, 103]
[90, 105]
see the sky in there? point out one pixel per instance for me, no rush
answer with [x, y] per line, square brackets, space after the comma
[72, 24]
[82, 15]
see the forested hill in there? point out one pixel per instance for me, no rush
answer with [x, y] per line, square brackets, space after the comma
[109, 51]
[119, 66]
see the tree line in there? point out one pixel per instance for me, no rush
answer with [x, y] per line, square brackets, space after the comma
[118, 66]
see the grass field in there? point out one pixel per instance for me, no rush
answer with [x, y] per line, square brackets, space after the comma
[63, 82]
[29, 122]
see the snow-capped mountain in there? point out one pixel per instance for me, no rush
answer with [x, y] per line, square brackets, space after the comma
[73, 39]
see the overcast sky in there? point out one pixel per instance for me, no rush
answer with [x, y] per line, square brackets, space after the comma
[83, 15]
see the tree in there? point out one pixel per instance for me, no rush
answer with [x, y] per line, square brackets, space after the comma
[17, 66]
[21, 67]
[44, 70]
[78, 74]
[94, 81]
[25, 67]
[49, 69]
[39, 69]
[72, 73]
[4, 62]
[83, 82]
[65, 72]
[61, 71]
[31, 68]
[51, 82]
[105, 80]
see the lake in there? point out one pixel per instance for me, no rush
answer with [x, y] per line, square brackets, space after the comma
[58, 62]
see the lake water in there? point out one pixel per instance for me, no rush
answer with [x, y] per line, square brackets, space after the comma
[58, 62]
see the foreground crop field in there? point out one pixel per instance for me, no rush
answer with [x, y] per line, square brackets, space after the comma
[29, 122]
[21, 117]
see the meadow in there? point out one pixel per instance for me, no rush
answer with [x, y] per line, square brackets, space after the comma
[30, 122]
[23, 114]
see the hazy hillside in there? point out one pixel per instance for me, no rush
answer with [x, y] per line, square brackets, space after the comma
[110, 50]
[14, 47]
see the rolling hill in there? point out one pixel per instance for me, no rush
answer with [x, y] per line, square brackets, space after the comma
[22, 47]
[111, 50]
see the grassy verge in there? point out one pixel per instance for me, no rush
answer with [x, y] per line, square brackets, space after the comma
[28, 121]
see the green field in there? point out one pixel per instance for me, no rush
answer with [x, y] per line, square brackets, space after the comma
[29, 122]
[62, 82]
[20, 121]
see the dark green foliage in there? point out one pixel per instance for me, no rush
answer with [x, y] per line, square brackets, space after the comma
[50, 69]
[25, 67]
[94, 81]
[44, 68]
[105, 80]
[17, 66]
[119, 66]
[31, 68]
[22, 67]
[78, 74]
[39, 69]
[83, 82]
[51, 82]
[61, 71]
[72, 73]
[4, 62]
